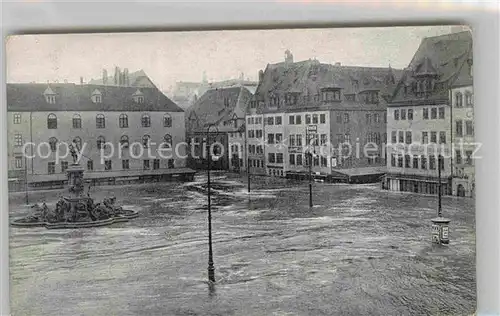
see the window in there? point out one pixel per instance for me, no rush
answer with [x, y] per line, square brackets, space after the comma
[425, 137]
[270, 120]
[270, 138]
[98, 99]
[468, 99]
[308, 119]
[433, 137]
[50, 99]
[408, 137]
[415, 162]
[394, 139]
[376, 118]
[140, 99]
[145, 164]
[401, 137]
[145, 120]
[77, 121]
[432, 162]
[271, 158]
[251, 133]
[100, 121]
[441, 162]
[400, 161]
[347, 138]
[64, 166]
[298, 139]
[167, 139]
[19, 162]
[410, 115]
[315, 119]
[53, 144]
[458, 129]
[250, 120]
[316, 161]
[403, 114]
[145, 141]
[124, 141]
[90, 165]
[292, 159]
[441, 113]
[458, 157]
[423, 162]
[425, 113]
[346, 117]
[468, 159]
[299, 160]
[123, 121]
[279, 138]
[278, 120]
[368, 118]
[458, 100]
[107, 165]
[279, 158]
[385, 117]
[407, 161]
[258, 133]
[291, 119]
[339, 118]
[167, 120]
[396, 115]
[322, 118]
[298, 119]
[52, 121]
[51, 167]
[323, 139]
[324, 162]
[101, 142]
[469, 128]
[125, 164]
[442, 137]
[393, 160]
[156, 164]
[384, 138]
[260, 149]
[291, 140]
[18, 140]
[17, 118]
[433, 113]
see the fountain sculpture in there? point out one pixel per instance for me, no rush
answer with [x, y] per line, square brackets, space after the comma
[77, 210]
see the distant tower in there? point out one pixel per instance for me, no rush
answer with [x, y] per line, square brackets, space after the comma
[126, 80]
[104, 77]
[117, 76]
[288, 57]
[389, 79]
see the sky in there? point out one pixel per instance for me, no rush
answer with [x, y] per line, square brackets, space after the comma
[168, 57]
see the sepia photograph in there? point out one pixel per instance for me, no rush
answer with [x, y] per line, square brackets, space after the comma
[306, 171]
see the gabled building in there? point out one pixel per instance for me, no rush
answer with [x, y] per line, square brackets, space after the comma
[420, 115]
[123, 78]
[224, 108]
[89, 115]
[342, 106]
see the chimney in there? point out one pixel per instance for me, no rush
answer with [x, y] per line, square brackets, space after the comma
[104, 77]
[288, 57]
[117, 76]
[81, 80]
[337, 64]
[126, 78]
[261, 75]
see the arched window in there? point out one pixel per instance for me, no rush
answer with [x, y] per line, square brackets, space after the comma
[167, 120]
[458, 100]
[124, 141]
[146, 120]
[52, 121]
[53, 144]
[77, 121]
[78, 142]
[101, 142]
[145, 141]
[167, 139]
[123, 121]
[100, 121]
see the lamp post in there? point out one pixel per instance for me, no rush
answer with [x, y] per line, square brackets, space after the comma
[211, 268]
[26, 179]
[440, 225]
[311, 130]
[248, 161]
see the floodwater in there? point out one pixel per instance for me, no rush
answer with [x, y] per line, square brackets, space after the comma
[358, 251]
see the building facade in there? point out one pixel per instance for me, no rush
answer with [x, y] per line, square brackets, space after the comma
[420, 116]
[332, 111]
[224, 110]
[126, 122]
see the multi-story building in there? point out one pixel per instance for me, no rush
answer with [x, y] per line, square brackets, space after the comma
[224, 108]
[327, 109]
[419, 115]
[462, 122]
[44, 117]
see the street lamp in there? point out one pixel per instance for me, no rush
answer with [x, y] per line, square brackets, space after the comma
[309, 158]
[211, 268]
[440, 225]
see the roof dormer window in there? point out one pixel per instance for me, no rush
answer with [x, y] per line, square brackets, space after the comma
[329, 94]
[138, 97]
[50, 95]
[96, 96]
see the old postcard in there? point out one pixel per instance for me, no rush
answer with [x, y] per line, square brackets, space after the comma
[325, 171]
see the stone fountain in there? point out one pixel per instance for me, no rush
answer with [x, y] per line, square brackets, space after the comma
[76, 210]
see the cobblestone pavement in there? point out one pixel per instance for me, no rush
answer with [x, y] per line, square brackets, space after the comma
[358, 251]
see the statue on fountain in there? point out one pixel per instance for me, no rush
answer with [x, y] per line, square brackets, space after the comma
[76, 210]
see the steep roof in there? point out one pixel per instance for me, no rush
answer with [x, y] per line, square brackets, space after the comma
[440, 56]
[307, 78]
[211, 108]
[134, 78]
[72, 97]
